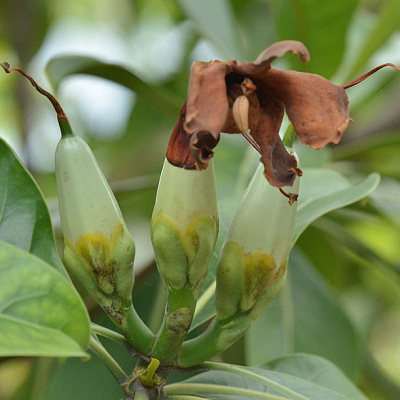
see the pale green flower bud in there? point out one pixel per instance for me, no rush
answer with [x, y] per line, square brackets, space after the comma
[184, 226]
[98, 247]
[252, 265]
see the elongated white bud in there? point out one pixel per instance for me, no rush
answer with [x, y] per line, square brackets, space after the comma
[185, 225]
[252, 264]
[98, 247]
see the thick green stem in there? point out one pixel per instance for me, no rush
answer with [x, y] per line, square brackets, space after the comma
[136, 332]
[107, 360]
[175, 326]
[213, 341]
[290, 136]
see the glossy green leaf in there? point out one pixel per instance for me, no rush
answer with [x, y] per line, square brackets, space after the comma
[311, 23]
[321, 191]
[40, 312]
[297, 377]
[24, 217]
[305, 310]
[215, 21]
[387, 23]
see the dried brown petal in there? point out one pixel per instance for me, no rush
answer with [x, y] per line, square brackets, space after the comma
[317, 108]
[178, 150]
[280, 166]
[207, 104]
[263, 62]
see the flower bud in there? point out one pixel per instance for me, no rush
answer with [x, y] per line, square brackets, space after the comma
[98, 247]
[184, 226]
[252, 265]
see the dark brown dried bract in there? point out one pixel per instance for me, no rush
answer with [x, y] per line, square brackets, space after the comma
[317, 108]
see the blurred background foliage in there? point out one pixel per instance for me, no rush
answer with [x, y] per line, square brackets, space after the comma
[120, 69]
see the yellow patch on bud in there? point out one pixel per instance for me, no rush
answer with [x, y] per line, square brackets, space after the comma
[183, 256]
[259, 269]
[94, 248]
[246, 282]
[103, 264]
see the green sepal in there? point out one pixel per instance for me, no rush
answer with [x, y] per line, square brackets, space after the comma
[78, 268]
[169, 251]
[199, 241]
[123, 255]
[246, 283]
[274, 288]
[229, 280]
[259, 272]
[103, 265]
[183, 257]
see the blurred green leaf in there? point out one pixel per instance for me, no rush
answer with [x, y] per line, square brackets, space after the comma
[25, 25]
[305, 310]
[316, 370]
[373, 153]
[323, 190]
[387, 23]
[87, 381]
[216, 22]
[311, 23]
[24, 217]
[155, 95]
[302, 377]
[386, 199]
[41, 314]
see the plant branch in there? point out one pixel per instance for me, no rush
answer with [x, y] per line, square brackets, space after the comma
[108, 333]
[213, 341]
[97, 348]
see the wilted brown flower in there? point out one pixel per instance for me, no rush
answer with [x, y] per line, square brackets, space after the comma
[317, 108]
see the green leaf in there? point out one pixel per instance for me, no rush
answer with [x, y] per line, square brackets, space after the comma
[20, 338]
[318, 371]
[24, 217]
[155, 96]
[386, 199]
[41, 314]
[216, 21]
[297, 377]
[378, 153]
[323, 190]
[305, 310]
[387, 23]
[311, 23]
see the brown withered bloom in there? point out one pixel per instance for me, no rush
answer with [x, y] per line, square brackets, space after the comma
[317, 108]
